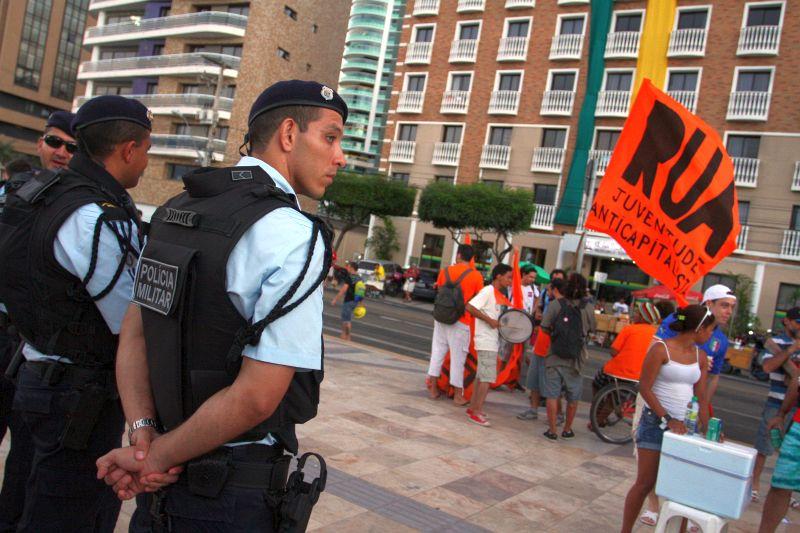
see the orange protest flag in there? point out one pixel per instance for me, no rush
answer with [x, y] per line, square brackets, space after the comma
[668, 195]
[509, 374]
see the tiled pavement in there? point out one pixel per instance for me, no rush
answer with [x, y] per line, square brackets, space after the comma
[398, 461]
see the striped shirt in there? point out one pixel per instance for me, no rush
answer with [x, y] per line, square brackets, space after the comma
[777, 378]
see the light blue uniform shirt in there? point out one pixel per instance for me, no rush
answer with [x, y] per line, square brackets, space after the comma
[73, 251]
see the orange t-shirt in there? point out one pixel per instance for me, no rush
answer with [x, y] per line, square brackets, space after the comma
[631, 344]
[470, 285]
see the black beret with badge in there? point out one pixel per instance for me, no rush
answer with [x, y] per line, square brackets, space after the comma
[112, 107]
[300, 93]
[61, 120]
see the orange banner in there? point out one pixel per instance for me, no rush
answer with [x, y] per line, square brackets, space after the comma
[668, 195]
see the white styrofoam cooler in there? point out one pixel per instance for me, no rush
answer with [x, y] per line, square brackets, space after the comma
[710, 476]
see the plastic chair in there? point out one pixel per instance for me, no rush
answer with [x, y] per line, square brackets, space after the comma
[669, 519]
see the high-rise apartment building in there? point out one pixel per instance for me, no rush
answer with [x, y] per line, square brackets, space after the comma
[40, 48]
[522, 93]
[367, 76]
[199, 65]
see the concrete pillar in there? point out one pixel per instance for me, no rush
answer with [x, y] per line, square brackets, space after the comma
[369, 236]
[758, 282]
[412, 231]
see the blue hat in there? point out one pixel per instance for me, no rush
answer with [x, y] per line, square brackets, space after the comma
[61, 120]
[297, 92]
[112, 107]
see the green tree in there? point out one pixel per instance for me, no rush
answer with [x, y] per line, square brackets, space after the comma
[479, 209]
[384, 241]
[743, 320]
[352, 198]
[7, 152]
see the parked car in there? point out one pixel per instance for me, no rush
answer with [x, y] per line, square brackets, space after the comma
[425, 288]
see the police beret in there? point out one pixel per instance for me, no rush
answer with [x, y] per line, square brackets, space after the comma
[61, 120]
[112, 107]
[297, 92]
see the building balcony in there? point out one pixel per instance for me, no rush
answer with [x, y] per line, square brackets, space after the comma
[520, 4]
[513, 49]
[790, 247]
[572, 2]
[360, 35]
[557, 103]
[796, 177]
[455, 102]
[748, 105]
[687, 43]
[504, 103]
[419, 53]
[446, 154]
[369, 20]
[188, 146]
[402, 151]
[547, 159]
[360, 48]
[543, 216]
[613, 104]
[111, 5]
[566, 46]
[197, 106]
[207, 24]
[741, 239]
[357, 78]
[410, 102]
[601, 159]
[745, 171]
[495, 156]
[167, 65]
[464, 51]
[424, 8]
[623, 44]
[687, 99]
[759, 41]
[358, 64]
[365, 8]
[467, 6]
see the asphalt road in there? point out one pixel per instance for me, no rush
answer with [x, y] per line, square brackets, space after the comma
[404, 328]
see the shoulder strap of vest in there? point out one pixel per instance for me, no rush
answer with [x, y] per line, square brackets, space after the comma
[32, 189]
[252, 333]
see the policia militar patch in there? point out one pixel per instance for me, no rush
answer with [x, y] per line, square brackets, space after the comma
[156, 285]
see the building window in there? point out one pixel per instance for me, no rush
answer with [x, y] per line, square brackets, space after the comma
[407, 132]
[694, 19]
[744, 212]
[460, 82]
[544, 194]
[222, 133]
[445, 179]
[314, 28]
[195, 130]
[176, 171]
[743, 146]
[606, 139]
[69, 49]
[152, 87]
[415, 83]
[283, 54]
[618, 81]
[533, 255]
[500, 136]
[493, 183]
[713, 278]
[239, 9]
[423, 34]
[562, 81]
[163, 11]
[753, 80]
[509, 82]
[31, 45]
[158, 49]
[227, 49]
[120, 89]
[468, 32]
[518, 28]
[764, 15]
[118, 53]
[289, 12]
[571, 26]
[451, 134]
[794, 224]
[683, 80]
[228, 91]
[432, 247]
[400, 176]
[554, 138]
[627, 22]
[788, 297]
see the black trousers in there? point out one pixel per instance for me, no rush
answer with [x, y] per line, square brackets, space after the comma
[63, 493]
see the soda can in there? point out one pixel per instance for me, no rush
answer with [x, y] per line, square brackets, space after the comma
[776, 437]
[714, 429]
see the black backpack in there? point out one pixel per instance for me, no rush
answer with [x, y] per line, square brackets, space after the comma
[567, 337]
[449, 306]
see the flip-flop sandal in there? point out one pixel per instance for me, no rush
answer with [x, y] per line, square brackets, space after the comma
[649, 518]
[754, 496]
[795, 504]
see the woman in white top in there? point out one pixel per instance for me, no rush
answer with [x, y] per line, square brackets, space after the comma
[673, 372]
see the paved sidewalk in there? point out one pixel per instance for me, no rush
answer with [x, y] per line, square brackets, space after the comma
[401, 462]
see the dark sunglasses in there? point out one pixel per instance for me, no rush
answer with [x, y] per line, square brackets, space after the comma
[54, 141]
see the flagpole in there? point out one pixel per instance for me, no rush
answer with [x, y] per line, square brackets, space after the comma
[592, 176]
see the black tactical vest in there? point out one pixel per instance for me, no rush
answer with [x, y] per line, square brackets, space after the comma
[50, 307]
[194, 334]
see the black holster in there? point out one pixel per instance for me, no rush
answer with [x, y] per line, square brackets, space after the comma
[301, 496]
[207, 475]
[84, 407]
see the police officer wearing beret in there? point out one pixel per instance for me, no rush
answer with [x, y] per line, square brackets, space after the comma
[222, 351]
[55, 149]
[68, 248]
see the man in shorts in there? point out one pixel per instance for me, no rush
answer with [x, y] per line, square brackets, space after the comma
[347, 288]
[786, 477]
[486, 307]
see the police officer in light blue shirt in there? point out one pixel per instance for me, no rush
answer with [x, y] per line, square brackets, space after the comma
[68, 251]
[221, 353]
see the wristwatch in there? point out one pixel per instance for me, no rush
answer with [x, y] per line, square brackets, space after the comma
[665, 420]
[143, 423]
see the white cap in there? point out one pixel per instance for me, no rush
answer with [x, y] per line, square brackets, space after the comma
[715, 292]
